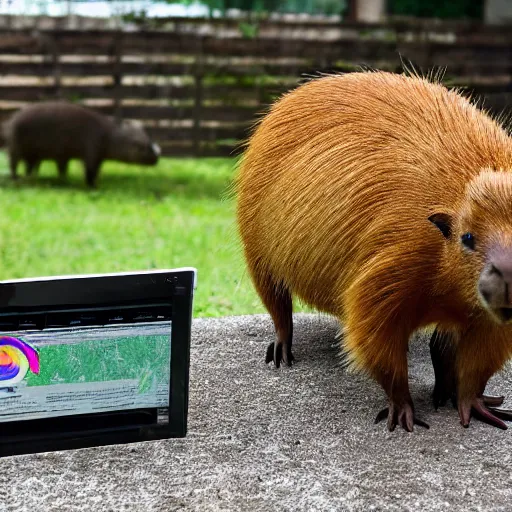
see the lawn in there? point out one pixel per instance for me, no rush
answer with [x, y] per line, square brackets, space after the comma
[171, 215]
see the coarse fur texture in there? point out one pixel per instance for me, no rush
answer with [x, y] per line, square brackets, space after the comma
[61, 131]
[335, 191]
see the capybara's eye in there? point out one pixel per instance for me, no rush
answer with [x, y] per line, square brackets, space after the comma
[468, 240]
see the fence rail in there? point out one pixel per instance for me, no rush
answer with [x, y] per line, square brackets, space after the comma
[199, 84]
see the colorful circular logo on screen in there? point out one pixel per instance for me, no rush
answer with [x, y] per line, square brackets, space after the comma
[17, 357]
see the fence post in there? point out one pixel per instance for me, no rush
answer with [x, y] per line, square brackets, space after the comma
[117, 74]
[57, 75]
[50, 53]
[198, 95]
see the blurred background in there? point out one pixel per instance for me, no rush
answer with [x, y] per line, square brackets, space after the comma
[198, 74]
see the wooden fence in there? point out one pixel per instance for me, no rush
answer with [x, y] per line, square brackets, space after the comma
[199, 84]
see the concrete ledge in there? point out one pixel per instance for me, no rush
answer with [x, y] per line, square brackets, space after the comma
[290, 439]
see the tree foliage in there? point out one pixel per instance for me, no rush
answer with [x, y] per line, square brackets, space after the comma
[327, 7]
[420, 8]
[438, 8]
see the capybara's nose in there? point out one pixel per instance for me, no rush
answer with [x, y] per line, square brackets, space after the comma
[495, 285]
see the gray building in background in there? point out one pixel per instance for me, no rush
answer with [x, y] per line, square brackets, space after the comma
[497, 12]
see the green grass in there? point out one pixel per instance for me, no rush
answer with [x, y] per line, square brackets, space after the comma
[145, 358]
[166, 216]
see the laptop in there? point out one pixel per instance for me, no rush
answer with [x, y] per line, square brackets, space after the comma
[92, 360]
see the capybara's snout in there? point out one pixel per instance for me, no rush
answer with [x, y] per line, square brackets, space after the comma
[149, 154]
[154, 153]
[495, 284]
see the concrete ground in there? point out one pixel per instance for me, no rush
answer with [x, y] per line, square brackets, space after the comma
[289, 440]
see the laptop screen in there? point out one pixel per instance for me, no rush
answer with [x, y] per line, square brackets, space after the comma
[81, 370]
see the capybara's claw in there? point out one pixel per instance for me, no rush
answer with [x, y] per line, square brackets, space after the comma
[381, 415]
[493, 401]
[479, 409]
[440, 398]
[270, 355]
[402, 415]
[504, 414]
[275, 353]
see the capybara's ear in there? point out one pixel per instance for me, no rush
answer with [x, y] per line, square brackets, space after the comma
[444, 222]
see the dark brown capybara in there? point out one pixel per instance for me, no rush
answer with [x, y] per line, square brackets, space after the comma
[386, 201]
[62, 131]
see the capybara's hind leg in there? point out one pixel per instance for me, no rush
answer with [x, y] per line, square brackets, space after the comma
[281, 312]
[13, 164]
[278, 301]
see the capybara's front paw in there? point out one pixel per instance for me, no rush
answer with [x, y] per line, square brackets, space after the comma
[484, 408]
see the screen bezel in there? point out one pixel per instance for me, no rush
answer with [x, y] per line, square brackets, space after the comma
[34, 298]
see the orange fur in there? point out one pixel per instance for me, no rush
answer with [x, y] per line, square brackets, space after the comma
[334, 194]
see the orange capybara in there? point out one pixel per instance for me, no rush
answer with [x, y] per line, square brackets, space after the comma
[386, 201]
